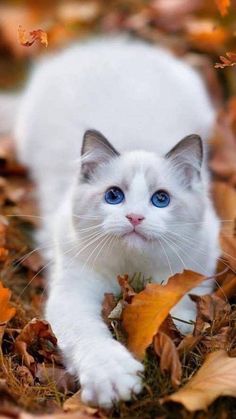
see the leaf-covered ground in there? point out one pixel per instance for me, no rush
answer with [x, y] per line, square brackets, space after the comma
[185, 377]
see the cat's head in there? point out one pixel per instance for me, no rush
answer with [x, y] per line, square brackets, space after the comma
[138, 197]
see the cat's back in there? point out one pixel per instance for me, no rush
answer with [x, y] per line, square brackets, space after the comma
[136, 94]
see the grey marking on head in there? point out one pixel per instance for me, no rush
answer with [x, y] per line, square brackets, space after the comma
[96, 150]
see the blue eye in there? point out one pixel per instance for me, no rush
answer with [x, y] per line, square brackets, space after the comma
[114, 195]
[160, 199]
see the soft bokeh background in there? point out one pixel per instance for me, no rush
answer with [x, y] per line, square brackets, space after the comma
[189, 27]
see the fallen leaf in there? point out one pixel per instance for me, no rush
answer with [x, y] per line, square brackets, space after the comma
[74, 404]
[36, 35]
[215, 378]
[223, 6]
[148, 309]
[224, 197]
[188, 344]
[48, 373]
[169, 328]
[109, 303]
[169, 357]
[212, 311]
[223, 144]
[36, 334]
[6, 310]
[126, 289]
[228, 61]
[34, 261]
[228, 288]
[228, 246]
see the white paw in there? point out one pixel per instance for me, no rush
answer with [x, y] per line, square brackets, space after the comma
[112, 375]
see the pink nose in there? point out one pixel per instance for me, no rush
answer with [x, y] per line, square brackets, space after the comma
[135, 219]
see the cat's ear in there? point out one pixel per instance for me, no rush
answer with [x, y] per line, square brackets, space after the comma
[187, 157]
[96, 150]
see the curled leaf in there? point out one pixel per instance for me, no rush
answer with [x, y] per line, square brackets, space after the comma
[228, 61]
[36, 35]
[215, 378]
[148, 309]
[169, 357]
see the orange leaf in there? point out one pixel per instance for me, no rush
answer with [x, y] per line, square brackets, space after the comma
[228, 61]
[148, 309]
[169, 357]
[6, 311]
[215, 378]
[36, 35]
[223, 6]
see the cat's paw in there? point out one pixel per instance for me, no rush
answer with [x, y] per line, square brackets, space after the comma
[113, 377]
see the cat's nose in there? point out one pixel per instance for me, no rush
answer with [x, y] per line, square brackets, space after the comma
[135, 219]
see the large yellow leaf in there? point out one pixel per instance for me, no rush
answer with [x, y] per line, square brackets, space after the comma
[215, 378]
[148, 309]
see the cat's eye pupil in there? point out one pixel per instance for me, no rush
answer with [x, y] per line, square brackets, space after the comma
[114, 195]
[160, 199]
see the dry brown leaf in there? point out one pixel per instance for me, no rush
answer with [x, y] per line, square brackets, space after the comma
[215, 378]
[64, 382]
[108, 305]
[223, 6]
[127, 291]
[228, 246]
[38, 334]
[224, 197]
[143, 317]
[187, 344]
[36, 35]
[228, 61]
[34, 261]
[223, 145]
[169, 357]
[228, 288]
[74, 404]
[212, 311]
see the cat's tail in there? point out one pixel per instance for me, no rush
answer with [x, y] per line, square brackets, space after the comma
[9, 107]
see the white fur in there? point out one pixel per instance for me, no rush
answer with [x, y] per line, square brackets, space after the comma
[141, 98]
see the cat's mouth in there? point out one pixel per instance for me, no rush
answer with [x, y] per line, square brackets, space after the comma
[135, 234]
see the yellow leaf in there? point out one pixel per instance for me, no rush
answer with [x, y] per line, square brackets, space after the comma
[6, 311]
[148, 309]
[223, 6]
[215, 378]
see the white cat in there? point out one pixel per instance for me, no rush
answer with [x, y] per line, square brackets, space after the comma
[138, 205]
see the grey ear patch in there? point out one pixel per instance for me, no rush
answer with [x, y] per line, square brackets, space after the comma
[96, 150]
[187, 156]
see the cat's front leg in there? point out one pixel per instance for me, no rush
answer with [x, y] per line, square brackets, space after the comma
[106, 370]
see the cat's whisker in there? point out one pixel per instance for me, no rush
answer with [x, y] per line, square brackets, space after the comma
[181, 249]
[166, 256]
[191, 241]
[98, 236]
[101, 243]
[35, 276]
[169, 245]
